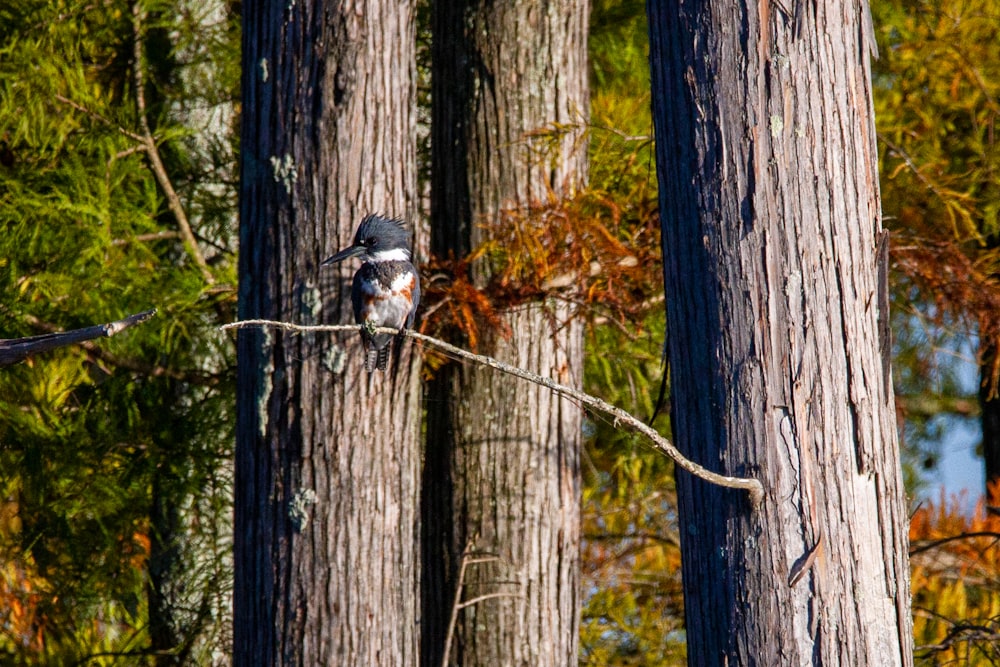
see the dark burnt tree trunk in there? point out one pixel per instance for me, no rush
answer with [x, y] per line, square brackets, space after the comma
[770, 213]
[502, 462]
[989, 403]
[327, 458]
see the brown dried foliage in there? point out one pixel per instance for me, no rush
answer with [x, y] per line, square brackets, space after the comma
[963, 283]
[590, 250]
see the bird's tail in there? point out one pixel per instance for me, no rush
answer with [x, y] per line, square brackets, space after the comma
[380, 359]
[373, 358]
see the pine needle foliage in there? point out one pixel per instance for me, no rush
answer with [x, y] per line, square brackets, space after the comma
[94, 438]
[633, 612]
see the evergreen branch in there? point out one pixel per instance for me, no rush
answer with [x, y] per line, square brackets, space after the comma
[155, 161]
[143, 238]
[98, 117]
[149, 370]
[752, 486]
[147, 144]
[17, 349]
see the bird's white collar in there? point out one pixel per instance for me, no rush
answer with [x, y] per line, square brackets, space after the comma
[394, 255]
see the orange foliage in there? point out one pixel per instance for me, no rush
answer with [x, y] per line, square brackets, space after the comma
[955, 565]
[936, 90]
[25, 595]
[21, 619]
[586, 250]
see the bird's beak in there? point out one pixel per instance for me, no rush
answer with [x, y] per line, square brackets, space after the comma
[353, 251]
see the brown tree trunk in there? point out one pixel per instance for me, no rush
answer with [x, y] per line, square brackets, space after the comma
[770, 214]
[502, 464]
[327, 456]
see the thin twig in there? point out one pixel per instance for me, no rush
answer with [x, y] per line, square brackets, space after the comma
[453, 619]
[752, 486]
[155, 161]
[142, 238]
[98, 117]
[485, 596]
[458, 604]
[934, 544]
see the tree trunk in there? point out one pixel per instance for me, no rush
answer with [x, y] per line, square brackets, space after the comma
[989, 403]
[502, 467]
[770, 212]
[327, 456]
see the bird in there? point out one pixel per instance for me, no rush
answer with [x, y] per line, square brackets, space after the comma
[386, 289]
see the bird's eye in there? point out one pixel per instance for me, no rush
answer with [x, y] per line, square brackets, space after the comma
[369, 242]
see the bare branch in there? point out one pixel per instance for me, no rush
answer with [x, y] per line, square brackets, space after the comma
[922, 546]
[98, 354]
[155, 161]
[147, 143]
[469, 557]
[17, 349]
[142, 238]
[805, 561]
[453, 620]
[486, 596]
[752, 486]
[96, 116]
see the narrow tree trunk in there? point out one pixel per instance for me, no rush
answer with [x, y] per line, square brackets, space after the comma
[502, 466]
[327, 456]
[165, 566]
[989, 403]
[770, 212]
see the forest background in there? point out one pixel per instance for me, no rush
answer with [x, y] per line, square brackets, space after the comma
[118, 193]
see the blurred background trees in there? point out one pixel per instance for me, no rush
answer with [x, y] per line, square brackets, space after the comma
[115, 458]
[936, 90]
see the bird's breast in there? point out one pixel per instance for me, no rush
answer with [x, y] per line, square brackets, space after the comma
[387, 304]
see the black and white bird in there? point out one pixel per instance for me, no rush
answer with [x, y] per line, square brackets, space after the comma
[386, 289]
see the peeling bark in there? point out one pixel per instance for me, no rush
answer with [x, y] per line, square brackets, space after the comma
[771, 215]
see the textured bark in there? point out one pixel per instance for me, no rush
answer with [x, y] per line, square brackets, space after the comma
[502, 463]
[770, 213]
[327, 456]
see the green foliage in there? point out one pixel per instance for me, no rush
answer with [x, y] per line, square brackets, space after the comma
[633, 612]
[621, 151]
[93, 438]
[619, 51]
[89, 435]
[936, 90]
